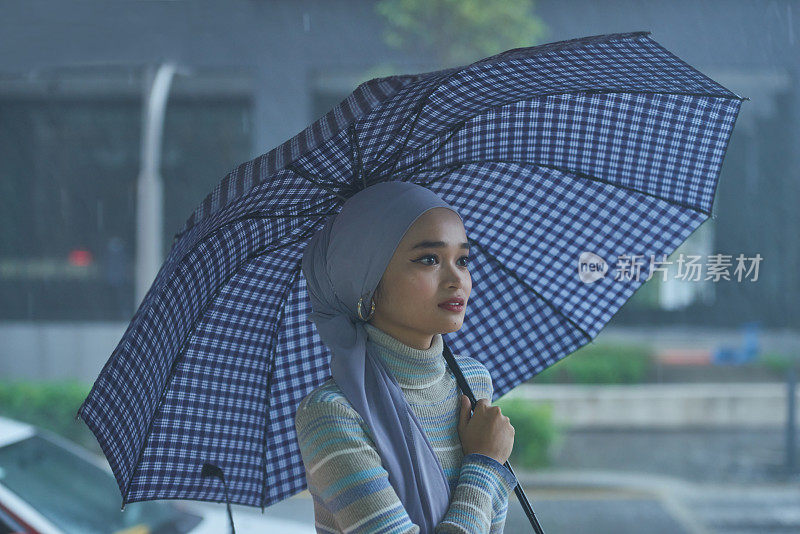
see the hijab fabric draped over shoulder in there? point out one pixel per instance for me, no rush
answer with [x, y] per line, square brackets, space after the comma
[342, 262]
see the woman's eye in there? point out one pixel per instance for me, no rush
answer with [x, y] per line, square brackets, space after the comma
[423, 258]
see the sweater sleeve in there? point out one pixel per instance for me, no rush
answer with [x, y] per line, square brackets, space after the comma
[480, 499]
[351, 488]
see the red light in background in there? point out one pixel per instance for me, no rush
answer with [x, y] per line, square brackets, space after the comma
[80, 257]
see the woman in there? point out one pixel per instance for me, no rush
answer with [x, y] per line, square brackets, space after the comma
[388, 442]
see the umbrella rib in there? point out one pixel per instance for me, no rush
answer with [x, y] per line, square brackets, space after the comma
[356, 162]
[572, 172]
[519, 280]
[308, 177]
[270, 375]
[450, 135]
[456, 71]
[417, 113]
[393, 160]
[460, 124]
[261, 217]
[593, 178]
[182, 352]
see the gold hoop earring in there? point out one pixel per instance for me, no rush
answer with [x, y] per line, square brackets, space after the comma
[358, 309]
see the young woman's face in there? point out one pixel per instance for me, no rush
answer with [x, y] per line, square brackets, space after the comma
[422, 274]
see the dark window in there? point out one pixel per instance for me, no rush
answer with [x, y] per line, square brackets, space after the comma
[68, 171]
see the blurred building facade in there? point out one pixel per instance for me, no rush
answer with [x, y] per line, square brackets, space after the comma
[74, 79]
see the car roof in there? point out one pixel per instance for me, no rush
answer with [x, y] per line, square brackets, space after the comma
[12, 431]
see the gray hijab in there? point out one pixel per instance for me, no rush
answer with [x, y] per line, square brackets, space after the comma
[343, 261]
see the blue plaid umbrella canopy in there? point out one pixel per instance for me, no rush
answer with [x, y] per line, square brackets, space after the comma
[609, 144]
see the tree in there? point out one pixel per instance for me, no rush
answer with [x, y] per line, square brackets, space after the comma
[457, 32]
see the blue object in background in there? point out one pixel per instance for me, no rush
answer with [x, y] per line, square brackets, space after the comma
[740, 355]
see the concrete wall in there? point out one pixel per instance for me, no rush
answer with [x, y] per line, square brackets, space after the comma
[664, 406]
[56, 351]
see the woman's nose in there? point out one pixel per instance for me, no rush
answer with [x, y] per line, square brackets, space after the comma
[456, 276]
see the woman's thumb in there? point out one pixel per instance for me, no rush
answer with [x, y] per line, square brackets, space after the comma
[464, 417]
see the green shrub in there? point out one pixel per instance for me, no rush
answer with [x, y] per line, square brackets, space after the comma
[535, 431]
[50, 405]
[778, 363]
[600, 364]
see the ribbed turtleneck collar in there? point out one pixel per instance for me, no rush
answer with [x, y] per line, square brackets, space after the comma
[412, 368]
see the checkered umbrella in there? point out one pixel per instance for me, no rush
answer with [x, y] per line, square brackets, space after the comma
[593, 148]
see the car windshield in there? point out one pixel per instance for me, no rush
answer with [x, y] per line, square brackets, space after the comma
[79, 496]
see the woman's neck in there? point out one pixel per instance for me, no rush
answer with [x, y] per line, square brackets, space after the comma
[412, 368]
[417, 340]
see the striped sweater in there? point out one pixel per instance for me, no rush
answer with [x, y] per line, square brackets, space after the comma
[349, 486]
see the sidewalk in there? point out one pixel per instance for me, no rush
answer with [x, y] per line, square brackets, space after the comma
[608, 501]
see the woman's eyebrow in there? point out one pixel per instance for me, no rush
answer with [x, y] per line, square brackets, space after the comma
[436, 244]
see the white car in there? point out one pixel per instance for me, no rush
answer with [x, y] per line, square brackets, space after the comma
[50, 485]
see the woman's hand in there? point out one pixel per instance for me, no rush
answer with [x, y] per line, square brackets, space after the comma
[487, 432]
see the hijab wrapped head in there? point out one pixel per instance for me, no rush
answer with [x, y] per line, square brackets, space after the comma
[343, 262]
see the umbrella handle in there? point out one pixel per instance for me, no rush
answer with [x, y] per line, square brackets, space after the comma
[211, 470]
[466, 390]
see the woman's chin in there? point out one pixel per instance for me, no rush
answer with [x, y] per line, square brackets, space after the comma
[454, 325]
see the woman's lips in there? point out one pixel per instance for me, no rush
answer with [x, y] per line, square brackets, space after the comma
[452, 307]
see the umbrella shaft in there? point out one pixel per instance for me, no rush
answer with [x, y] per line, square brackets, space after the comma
[466, 390]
